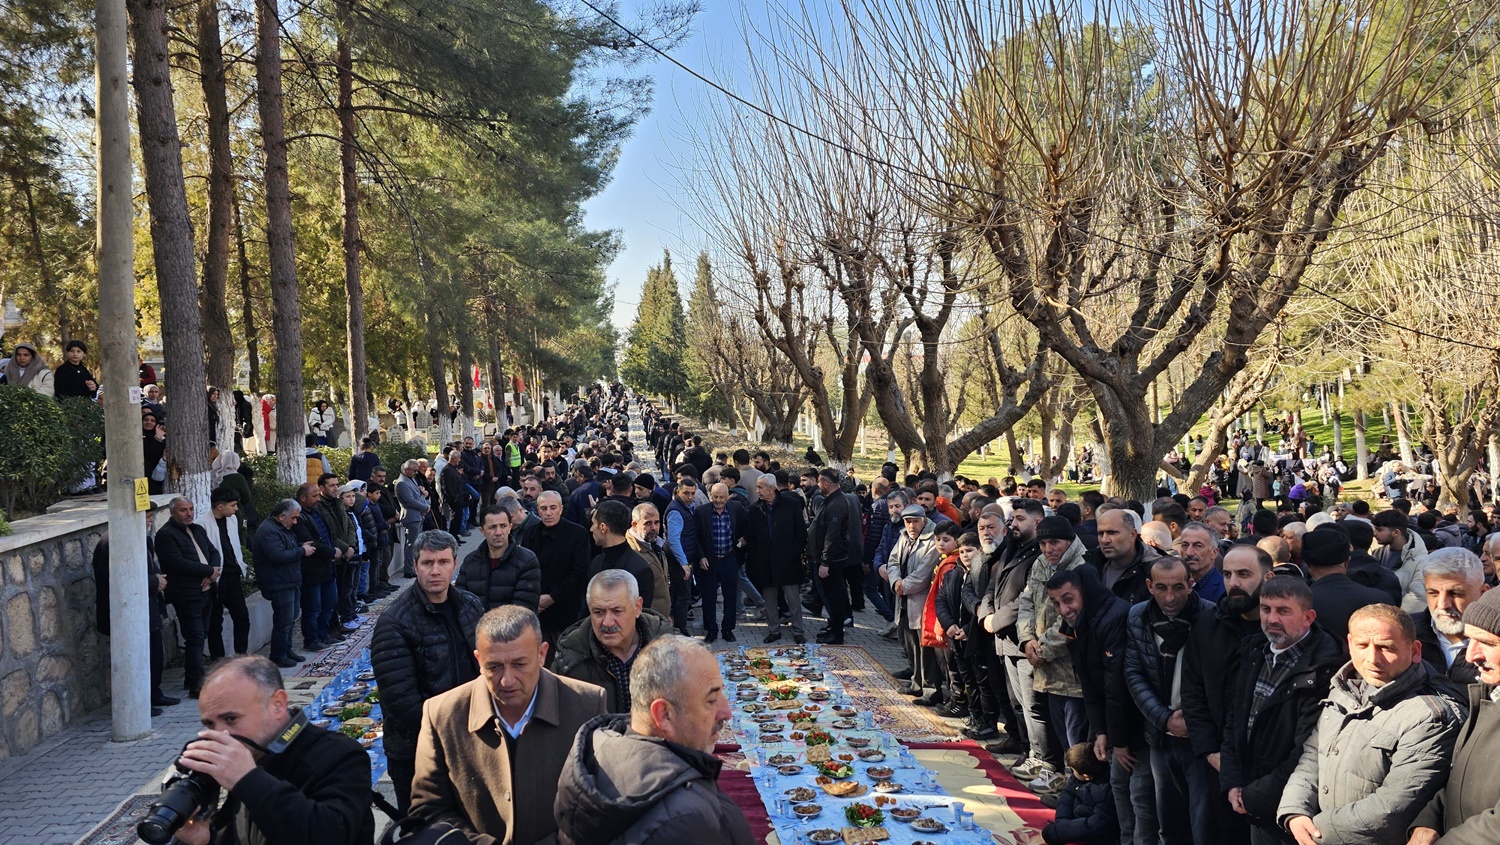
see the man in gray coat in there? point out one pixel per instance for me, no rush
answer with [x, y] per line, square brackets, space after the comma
[650, 777]
[909, 571]
[414, 507]
[1383, 744]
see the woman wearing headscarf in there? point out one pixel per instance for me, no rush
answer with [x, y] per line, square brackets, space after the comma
[225, 470]
[154, 447]
[27, 369]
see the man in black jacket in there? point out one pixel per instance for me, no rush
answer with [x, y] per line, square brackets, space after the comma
[1211, 658]
[1094, 619]
[1453, 579]
[1325, 551]
[721, 535]
[1006, 585]
[777, 538]
[501, 571]
[611, 523]
[191, 565]
[1278, 692]
[288, 782]
[562, 552]
[454, 492]
[1122, 560]
[423, 645]
[320, 592]
[1364, 569]
[828, 547]
[155, 583]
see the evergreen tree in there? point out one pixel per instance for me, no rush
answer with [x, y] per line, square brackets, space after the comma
[706, 397]
[653, 360]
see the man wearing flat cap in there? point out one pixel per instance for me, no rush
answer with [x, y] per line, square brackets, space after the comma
[909, 571]
[1325, 553]
[1467, 810]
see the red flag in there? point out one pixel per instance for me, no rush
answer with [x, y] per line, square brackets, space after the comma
[476, 375]
[520, 386]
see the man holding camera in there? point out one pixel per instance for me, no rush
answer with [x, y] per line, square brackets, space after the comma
[288, 782]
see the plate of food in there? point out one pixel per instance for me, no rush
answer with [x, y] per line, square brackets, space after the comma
[811, 675]
[861, 814]
[747, 695]
[812, 708]
[888, 786]
[871, 755]
[737, 676]
[857, 741]
[800, 794]
[807, 811]
[764, 717]
[836, 769]
[790, 768]
[333, 710]
[845, 710]
[841, 788]
[753, 708]
[880, 772]
[781, 759]
[927, 824]
[819, 737]
[845, 724]
[819, 695]
[320, 723]
[905, 814]
[824, 835]
[760, 663]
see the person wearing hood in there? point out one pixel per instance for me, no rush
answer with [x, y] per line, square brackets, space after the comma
[650, 777]
[773, 555]
[1383, 742]
[1046, 649]
[601, 648]
[909, 570]
[1211, 658]
[225, 472]
[319, 421]
[27, 369]
[72, 378]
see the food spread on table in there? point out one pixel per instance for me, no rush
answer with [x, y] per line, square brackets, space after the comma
[811, 770]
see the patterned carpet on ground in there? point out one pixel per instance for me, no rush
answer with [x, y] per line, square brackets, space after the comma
[119, 827]
[999, 802]
[341, 656]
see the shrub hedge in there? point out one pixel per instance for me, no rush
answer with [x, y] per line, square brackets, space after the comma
[268, 491]
[46, 447]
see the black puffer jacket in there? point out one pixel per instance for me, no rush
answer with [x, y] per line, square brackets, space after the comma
[1132, 583]
[517, 580]
[179, 561]
[1085, 816]
[1260, 761]
[776, 538]
[1097, 648]
[620, 788]
[416, 653]
[582, 658]
[1145, 677]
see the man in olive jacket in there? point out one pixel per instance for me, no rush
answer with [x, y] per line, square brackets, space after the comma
[1467, 810]
[601, 648]
[1384, 740]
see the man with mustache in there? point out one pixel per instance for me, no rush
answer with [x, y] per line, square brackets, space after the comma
[1274, 701]
[1211, 658]
[1467, 811]
[601, 649]
[1453, 579]
[988, 668]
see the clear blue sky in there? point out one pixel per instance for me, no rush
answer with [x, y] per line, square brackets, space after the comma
[644, 202]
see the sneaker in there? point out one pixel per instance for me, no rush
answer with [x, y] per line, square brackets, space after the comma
[931, 699]
[954, 710]
[1049, 780]
[889, 631]
[1028, 768]
[1007, 745]
[284, 662]
[981, 734]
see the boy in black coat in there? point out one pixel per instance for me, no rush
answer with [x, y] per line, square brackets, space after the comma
[1085, 807]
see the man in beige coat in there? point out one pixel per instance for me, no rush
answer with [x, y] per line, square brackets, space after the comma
[516, 717]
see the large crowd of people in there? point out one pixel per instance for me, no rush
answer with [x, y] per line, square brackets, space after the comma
[1243, 665]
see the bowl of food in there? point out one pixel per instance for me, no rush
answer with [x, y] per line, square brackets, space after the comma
[747, 695]
[926, 824]
[871, 755]
[764, 717]
[332, 710]
[781, 759]
[800, 794]
[737, 676]
[320, 723]
[861, 814]
[845, 710]
[790, 769]
[880, 772]
[888, 786]
[836, 769]
[905, 814]
[807, 811]
[824, 835]
[753, 708]
[857, 741]
[845, 724]
[819, 695]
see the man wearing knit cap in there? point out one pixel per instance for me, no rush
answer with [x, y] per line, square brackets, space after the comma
[1467, 811]
[909, 570]
[1325, 552]
[1037, 628]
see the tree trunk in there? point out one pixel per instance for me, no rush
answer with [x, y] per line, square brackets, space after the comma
[172, 250]
[359, 385]
[247, 310]
[218, 339]
[1017, 460]
[286, 308]
[466, 391]
[1494, 467]
[1403, 432]
[1361, 448]
[497, 390]
[439, 378]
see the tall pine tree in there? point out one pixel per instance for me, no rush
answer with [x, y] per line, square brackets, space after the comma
[706, 397]
[653, 362]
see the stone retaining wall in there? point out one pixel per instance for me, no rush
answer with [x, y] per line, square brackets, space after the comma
[54, 665]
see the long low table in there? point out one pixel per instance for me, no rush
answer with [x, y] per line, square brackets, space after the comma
[784, 697]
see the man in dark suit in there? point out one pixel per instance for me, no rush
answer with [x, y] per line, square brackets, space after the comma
[1453, 579]
[156, 582]
[191, 564]
[721, 535]
[1325, 552]
[491, 750]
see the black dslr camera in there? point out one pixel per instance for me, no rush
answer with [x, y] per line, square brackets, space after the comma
[184, 794]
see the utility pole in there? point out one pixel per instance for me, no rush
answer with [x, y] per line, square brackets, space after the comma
[130, 659]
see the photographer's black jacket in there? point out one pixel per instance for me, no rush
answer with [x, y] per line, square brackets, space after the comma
[316, 792]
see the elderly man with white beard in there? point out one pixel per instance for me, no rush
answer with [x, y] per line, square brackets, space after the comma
[1452, 578]
[989, 671]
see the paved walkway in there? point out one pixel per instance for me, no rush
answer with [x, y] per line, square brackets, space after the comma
[58, 792]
